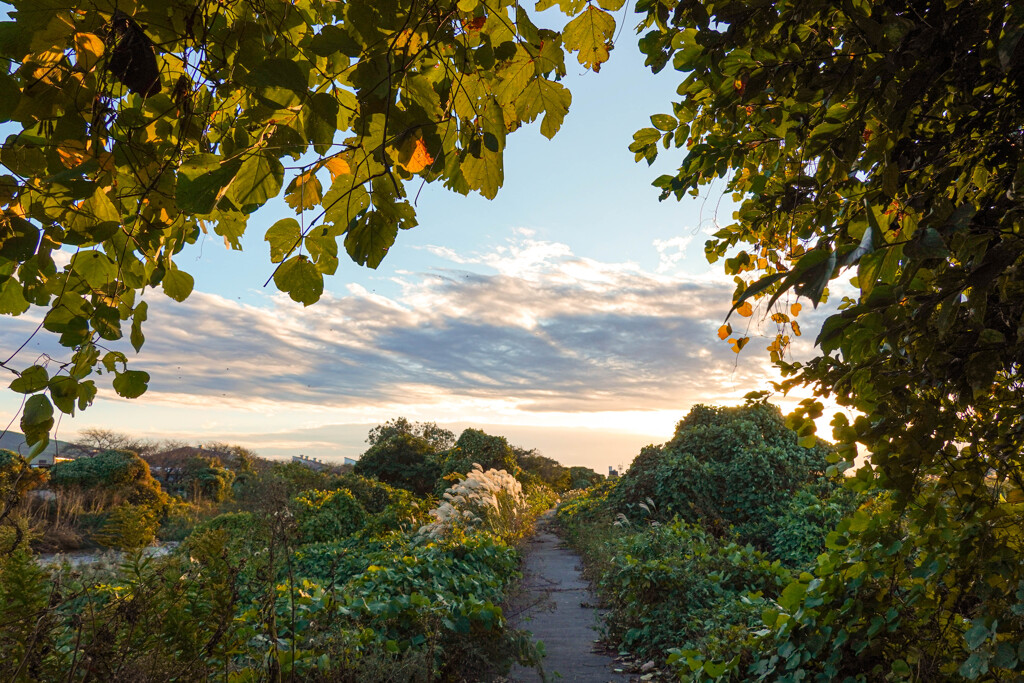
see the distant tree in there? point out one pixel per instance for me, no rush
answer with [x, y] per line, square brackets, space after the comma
[440, 439]
[95, 439]
[402, 460]
[583, 477]
[476, 446]
[549, 471]
[206, 478]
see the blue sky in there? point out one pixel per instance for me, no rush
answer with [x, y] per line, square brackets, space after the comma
[574, 313]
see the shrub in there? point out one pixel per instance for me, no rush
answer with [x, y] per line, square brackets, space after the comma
[476, 447]
[128, 527]
[402, 460]
[676, 584]
[324, 516]
[725, 467]
[112, 476]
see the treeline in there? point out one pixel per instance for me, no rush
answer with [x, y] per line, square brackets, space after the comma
[283, 572]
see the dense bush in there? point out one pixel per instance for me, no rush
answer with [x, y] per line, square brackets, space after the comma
[324, 516]
[402, 460]
[207, 479]
[129, 527]
[724, 468]
[476, 447]
[677, 585]
[119, 476]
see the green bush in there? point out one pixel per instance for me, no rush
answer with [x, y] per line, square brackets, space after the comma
[402, 460]
[129, 527]
[724, 468]
[373, 494]
[324, 516]
[805, 522]
[477, 447]
[115, 475]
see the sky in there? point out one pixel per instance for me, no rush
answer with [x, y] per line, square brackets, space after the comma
[574, 313]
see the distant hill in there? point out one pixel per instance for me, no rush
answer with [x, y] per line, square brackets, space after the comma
[15, 441]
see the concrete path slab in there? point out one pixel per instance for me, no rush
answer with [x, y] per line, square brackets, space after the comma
[556, 605]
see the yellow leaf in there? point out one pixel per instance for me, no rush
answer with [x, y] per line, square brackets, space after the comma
[796, 327]
[88, 50]
[738, 344]
[780, 318]
[762, 263]
[746, 310]
[409, 41]
[337, 166]
[724, 331]
[795, 309]
[413, 156]
[304, 192]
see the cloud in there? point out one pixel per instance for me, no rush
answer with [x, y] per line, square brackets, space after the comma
[526, 329]
[671, 252]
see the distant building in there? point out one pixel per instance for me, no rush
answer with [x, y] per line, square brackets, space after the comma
[349, 461]
[315, 464]
[612, 472]
[47, 460]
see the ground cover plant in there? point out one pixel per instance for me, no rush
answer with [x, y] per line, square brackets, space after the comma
[297, 575]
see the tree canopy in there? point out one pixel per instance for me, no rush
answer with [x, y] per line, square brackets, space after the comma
[141, 125]
[880, 142]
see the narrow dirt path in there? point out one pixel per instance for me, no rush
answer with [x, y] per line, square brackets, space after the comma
[557, 606]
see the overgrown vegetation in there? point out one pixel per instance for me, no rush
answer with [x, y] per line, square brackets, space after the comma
[720, 591]
[283, 572]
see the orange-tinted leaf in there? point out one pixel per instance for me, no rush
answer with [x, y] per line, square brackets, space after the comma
[413, 156]
[337, 166]
[795, 309]
[88, 50]
[738, 344]
[72, 153]
[745, 309]
[796, 327]
[724, 331]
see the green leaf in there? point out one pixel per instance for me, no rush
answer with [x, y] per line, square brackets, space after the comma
[545, 96]
[94, 267]
[37, 419]
[284, 237]
[202, 181]
[64, 393]
[300, 279]
[514, 77]
[178, 284]
[131, 383]
[368, 239]
[320, 121]
[281, 83]
[792, 595]
[31, 380]
[590, 34]
[664, 122]
[12, 300]
[259, 178]
[484, 173]
[139, 317]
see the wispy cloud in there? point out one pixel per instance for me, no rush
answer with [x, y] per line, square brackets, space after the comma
[527, 329]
